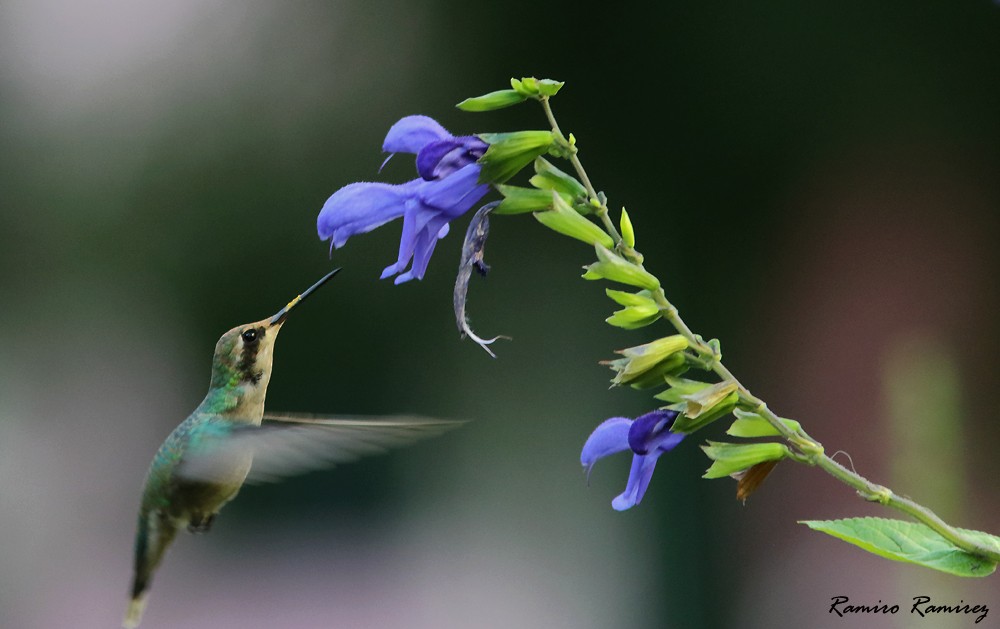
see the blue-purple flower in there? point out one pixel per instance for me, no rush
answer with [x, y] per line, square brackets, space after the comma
[647, 436]
[448, 186]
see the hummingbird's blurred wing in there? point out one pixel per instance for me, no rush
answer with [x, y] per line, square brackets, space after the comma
[290, 444]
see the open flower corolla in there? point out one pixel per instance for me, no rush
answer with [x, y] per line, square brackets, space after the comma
[447, 187]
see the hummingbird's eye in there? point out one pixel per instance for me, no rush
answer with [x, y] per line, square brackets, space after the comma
[249, 336]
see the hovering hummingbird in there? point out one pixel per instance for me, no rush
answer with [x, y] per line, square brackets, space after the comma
[229, 440]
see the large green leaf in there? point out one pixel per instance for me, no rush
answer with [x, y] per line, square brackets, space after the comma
[911, 542]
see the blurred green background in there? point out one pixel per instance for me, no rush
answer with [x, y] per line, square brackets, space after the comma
[816, 184]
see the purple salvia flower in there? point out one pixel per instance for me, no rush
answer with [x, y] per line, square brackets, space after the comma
[412, 133]
[448, 187]
[647, 436]
[651, 431]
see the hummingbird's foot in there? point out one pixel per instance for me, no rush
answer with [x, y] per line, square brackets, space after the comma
[201, 524]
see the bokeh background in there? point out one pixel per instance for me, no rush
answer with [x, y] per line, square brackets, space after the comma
[816, 183]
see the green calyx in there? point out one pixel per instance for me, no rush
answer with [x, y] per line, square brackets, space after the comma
[613, 267]
[520, 91]
[548, 177]
[699, 403]
[508, 153]
[520, 200]
[560, 217]
[702, 402]
[680, 387]
[749, 425]
[494, 100]
[530, 87]
[640, 309]
[731, 458]
[641, 360]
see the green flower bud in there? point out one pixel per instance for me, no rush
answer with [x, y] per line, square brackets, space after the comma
[491, 101]
[716, 346]
[531, 87]
[518, 200]
[510, 152]
[731, 458]
[751, 425]
[551, 178]
[527, 85]
[641, 359]
[628, 234]
[615, 268]
[567, 221]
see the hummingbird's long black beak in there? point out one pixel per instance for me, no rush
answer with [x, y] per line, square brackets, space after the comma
[283, 313]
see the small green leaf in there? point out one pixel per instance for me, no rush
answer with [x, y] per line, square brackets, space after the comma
[628, 234]
[911, 542]
[491, 101]
[730, 458]
[567, 221]
[510, 152]
[749, 425]
[615, 268]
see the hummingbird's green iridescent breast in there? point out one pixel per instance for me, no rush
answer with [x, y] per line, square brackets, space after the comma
[171, 491]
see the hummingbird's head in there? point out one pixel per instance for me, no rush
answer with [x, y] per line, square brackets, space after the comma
[244, 354]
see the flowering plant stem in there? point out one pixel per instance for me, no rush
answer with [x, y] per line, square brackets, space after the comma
[804, 449]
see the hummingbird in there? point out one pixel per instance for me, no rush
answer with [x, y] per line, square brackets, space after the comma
[229, 440]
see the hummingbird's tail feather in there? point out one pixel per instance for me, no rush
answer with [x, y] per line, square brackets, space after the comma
[134, 614]
[154, 535]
